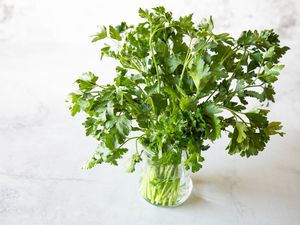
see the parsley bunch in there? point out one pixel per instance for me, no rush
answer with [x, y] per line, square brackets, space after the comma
[178, 85]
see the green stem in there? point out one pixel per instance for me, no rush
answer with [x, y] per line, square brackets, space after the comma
[152, 53]
[235, 113]
[128, 139]
[189, 57]
[160, 184]
[229, 54]
[239, 63]
[167, 178]
[154, 60]
[185, 62]
[211, 94]
[251, 86]
[143, 92]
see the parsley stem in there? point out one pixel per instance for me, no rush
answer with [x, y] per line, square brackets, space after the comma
[143, 92]
[160, 184]
[185, 62]
[128, 139]
[153, 58]
[211, 94]
[238, 65]
[229, 53]
[257, 85]
[201, 48]
[136, 146]
[152, 52]
[235, 113]
[189, 57]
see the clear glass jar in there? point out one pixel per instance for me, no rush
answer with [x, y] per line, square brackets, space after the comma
[165, 185]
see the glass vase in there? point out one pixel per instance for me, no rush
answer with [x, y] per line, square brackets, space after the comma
[165, 185]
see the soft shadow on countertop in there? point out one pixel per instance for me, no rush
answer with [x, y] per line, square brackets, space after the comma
[201, 185]
[194, 200]
[272, 176]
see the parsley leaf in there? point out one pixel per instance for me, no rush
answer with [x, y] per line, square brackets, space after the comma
[178, 84]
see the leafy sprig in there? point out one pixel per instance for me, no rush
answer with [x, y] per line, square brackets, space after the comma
[174, 81]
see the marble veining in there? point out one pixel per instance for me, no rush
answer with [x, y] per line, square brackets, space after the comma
[6, 12]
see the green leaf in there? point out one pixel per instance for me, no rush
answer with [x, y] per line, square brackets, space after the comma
[123, 125]
[240, 85]
[90, 125]
[75, 109]
[143, 13]
[269, 93]
[100, 35]
[270, 53]
[114, 34]
[113, 156]
[254, 94]
[122, 27]
[135, 158]
[110, 109]
[143, 120]
[241, 127]
[274, 128]
[233, 146]
[172, 79]
[207, 24]
[257, 119]
[87, 81]
[162, 50]
[173, 62]
[160, 10]
[94, 160]
[270, 74]
[109, 141]
[159, 103]
[186, 22]
[200, 73]
[248, 38]
[194, 162]
[213, 125]
[258, 57]
[212, 108]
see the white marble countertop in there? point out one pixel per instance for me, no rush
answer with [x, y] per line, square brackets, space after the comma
[45, 45]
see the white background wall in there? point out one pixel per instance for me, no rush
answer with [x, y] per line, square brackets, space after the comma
[45, 46]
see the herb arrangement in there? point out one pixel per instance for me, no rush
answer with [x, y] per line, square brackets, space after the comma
[177, 88]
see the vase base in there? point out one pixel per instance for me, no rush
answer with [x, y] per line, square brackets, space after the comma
[185, 192]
